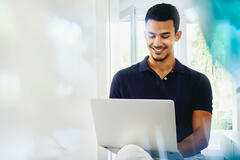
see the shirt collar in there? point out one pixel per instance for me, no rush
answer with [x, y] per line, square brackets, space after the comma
[179, 67]
[143, 66]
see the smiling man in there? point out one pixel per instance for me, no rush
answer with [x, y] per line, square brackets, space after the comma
[161, 76]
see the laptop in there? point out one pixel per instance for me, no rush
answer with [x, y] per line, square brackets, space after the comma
[147, 123]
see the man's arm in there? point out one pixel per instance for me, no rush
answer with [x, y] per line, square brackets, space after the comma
[198, 140]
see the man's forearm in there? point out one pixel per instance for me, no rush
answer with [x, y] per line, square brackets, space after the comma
[192, 144]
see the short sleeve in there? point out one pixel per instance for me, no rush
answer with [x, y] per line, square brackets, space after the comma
[115, 89]
[203, 95]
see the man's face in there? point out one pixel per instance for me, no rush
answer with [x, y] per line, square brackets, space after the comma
[160, 37]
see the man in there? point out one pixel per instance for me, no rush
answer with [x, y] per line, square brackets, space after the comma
[161, 76]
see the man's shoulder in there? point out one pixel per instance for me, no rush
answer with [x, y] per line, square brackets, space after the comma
[129, 71]
[194, 73]
[196, 76]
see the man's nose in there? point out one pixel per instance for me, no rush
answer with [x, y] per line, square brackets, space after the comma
[157, 41]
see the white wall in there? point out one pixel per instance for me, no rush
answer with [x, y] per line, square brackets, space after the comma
[103, 47]
[47, 77]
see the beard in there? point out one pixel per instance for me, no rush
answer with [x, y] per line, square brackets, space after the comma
[160, 59]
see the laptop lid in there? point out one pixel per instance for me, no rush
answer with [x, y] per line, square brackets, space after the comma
[149, 124]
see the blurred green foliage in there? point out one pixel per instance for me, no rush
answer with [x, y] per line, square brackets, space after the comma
[221, 80]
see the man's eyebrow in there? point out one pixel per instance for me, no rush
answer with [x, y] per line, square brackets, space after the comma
[164, 33]
[151, 33]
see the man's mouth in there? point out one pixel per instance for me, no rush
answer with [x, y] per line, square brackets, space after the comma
[158, 50]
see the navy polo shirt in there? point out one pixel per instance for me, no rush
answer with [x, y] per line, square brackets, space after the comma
[190, 90]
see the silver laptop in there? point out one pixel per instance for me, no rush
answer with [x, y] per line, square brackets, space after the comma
[149, 124]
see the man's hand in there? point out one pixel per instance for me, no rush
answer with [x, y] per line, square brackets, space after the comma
[198, 140]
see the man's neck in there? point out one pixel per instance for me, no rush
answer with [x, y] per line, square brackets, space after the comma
[162, 68]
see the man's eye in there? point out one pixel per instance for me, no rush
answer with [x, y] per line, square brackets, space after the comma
[151, 36]
[165, 37]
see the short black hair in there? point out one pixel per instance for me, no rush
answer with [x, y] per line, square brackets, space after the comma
[164, 12]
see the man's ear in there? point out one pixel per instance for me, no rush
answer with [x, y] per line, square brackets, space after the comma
[178, 35]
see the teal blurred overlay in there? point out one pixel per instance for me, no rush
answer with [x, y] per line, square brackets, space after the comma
[220, 23]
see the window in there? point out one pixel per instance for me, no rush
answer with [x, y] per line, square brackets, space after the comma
[120, 47]
[197, 57]
[141, 42]
[200, 59]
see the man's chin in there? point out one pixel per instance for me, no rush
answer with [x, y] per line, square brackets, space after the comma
[159, 59]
